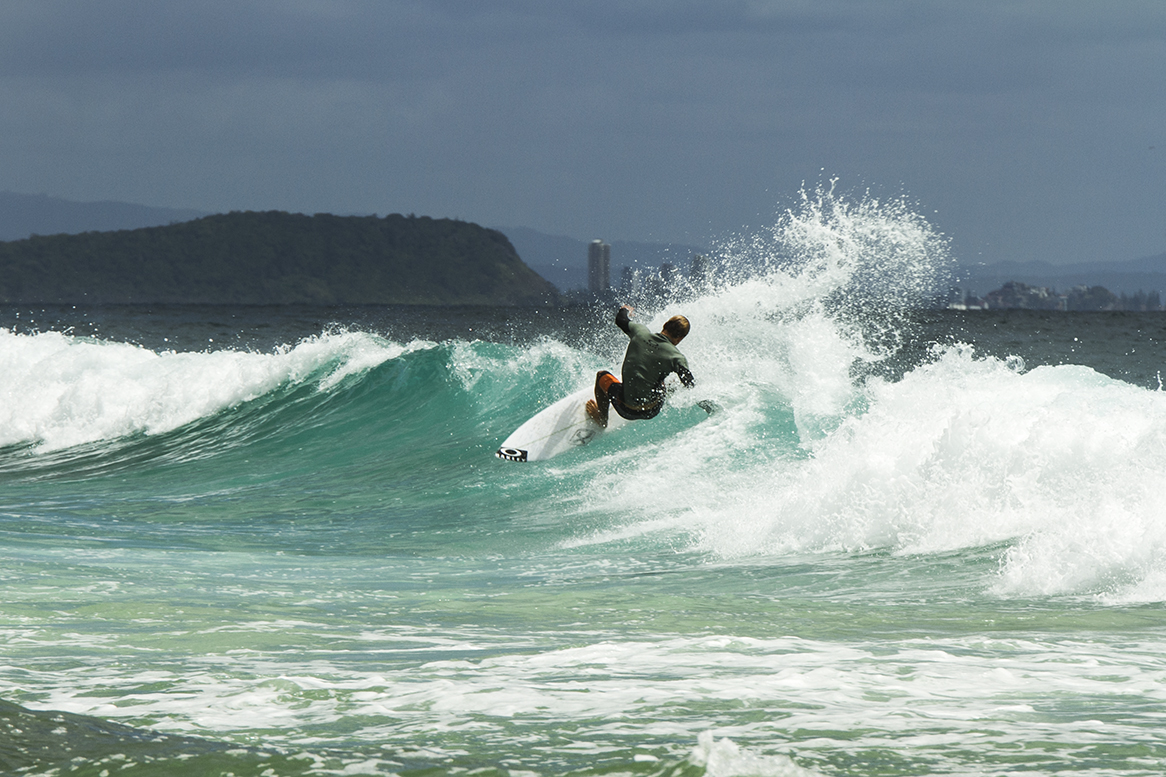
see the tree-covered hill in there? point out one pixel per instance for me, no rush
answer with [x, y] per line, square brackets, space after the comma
[275, 258]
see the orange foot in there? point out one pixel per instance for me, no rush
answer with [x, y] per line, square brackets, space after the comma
[596, 416]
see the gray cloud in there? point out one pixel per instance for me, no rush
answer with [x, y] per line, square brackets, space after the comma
[1027, 125]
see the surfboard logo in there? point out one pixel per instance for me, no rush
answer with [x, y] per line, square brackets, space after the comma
[511, 454]
[582, 436]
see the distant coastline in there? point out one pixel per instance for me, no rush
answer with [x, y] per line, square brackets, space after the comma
[1014, 295]
[536, 268]
[1128, 277]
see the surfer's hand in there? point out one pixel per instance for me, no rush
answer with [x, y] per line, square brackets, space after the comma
[629, 309]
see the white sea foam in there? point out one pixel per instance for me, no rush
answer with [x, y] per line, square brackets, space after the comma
[725, 758]
[1064, 465]
[58, 391]
[933, 696]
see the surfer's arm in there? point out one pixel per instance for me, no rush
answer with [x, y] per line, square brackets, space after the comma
[685, 376]
[623, 319]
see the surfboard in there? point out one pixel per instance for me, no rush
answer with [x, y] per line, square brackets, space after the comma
[561, 427]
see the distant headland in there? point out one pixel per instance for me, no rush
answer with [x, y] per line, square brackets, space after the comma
[273, 257]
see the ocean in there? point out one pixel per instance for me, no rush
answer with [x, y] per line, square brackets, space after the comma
[276, 541]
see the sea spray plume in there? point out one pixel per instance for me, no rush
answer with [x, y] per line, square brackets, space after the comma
[798, 319]
[826, 294]
[865, 263]
[881, 250]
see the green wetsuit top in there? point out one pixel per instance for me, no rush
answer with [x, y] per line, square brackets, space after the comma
[650, 358]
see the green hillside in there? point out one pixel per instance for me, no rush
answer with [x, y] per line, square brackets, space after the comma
[275, 258]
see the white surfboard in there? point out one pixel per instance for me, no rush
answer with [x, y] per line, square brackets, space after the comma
[561, 427]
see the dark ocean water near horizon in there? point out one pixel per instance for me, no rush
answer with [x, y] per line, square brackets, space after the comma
[275, 541]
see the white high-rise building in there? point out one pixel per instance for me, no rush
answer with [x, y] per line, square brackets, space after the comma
[598, 266]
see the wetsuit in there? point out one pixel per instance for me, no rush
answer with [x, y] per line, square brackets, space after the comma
[650, 358]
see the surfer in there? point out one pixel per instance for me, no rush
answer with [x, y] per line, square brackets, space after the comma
[650, 358]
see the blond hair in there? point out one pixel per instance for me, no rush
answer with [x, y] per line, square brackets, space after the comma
[677, 327]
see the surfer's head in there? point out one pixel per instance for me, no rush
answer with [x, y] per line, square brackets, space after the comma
[676, 328]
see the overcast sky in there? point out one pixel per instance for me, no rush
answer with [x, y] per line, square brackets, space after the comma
[1026, 129]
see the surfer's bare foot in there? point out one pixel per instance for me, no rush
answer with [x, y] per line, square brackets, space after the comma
[593, 411]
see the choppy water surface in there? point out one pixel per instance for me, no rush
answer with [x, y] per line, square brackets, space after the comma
[276, 542]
